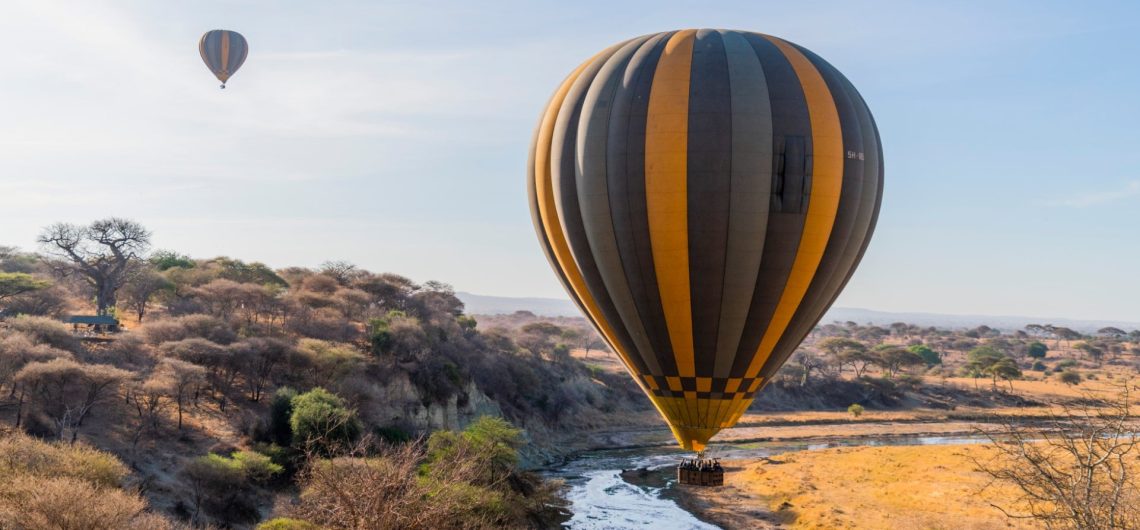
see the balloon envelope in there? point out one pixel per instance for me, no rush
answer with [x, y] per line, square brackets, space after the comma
[704, 195]
[223, 51]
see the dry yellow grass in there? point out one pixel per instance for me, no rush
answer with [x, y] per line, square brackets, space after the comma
[918, 487]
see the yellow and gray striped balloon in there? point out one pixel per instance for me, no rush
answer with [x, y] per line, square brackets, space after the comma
[223, 51]
[704, 196]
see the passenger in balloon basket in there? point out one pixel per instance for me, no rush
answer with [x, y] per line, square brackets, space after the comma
[700, 471]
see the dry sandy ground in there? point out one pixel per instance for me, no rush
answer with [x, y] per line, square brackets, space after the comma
[931, 487]
[894, 487]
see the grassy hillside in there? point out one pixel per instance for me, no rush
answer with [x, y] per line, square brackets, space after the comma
[224, 364]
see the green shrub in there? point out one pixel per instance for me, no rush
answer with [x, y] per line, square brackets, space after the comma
[280, 416]
[490, 437]
[1070, 377]
[220, 486]
[1037, 350]
[1067, 363]
[282, 456]
[855, 410]
[393, 435]
[285, 523]
[256, 466]
[928, 355]
[321, 421]
[379, 337]
[1038, 366]
[169, 259]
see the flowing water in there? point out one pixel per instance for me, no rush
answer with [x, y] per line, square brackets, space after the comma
[601, 499]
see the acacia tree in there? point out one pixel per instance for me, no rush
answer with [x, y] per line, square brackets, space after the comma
[18, 283]
[104, 253]
[848, 352]
[893, 358]
[67, 391]
[142, 287]
[185, 378]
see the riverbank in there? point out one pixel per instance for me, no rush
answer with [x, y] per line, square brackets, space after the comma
[927, 487]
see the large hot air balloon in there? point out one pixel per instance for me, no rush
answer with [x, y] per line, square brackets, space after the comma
[704, 196]
[223, 51]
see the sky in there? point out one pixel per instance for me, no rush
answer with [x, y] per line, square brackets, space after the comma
[394, 135]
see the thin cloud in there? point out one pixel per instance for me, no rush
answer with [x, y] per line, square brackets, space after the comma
[1084, 200]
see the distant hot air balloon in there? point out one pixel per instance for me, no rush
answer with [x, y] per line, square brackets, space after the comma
[704, 196]
[223, 51]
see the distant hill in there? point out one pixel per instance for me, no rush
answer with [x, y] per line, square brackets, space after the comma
[496, 305]
[1003, 322]
[478, 304]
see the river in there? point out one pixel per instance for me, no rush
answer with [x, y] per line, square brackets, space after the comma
[601, 500]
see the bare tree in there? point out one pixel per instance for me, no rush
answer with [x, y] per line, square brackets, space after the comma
[103, 253]
[1076, 471]
[142, 287]
[185, 379]
[810, 362]
[342, 271]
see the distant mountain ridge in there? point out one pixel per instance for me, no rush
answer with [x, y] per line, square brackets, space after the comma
[496, 305]
[478, 304]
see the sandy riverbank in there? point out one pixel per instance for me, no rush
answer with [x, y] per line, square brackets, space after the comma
[919, 487]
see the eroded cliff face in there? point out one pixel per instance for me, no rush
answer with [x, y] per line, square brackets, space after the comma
[398, 403]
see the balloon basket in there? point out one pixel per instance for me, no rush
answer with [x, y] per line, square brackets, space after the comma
[700, 471]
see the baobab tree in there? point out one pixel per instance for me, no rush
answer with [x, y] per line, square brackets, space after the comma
[104, 254]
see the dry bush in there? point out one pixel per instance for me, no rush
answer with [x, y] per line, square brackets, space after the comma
[67, 391]
[260, 360]
[127, 350]
[64, 503]
[51, 302]
[186, 327]
[17, 350]
[467, 479]
[44, 330]
[24, 455]
[323, 323]
[1077, 471]
[195, 350]
[386, 491]
[45, 486]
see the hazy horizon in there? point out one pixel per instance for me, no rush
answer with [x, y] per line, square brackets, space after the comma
[396, 138]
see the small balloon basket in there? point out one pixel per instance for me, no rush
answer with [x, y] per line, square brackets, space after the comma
[700, 471]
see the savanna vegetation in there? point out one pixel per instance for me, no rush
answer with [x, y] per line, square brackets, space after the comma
[238, 393]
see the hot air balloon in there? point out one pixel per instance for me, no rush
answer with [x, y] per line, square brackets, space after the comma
[223, 51]
[704, 196]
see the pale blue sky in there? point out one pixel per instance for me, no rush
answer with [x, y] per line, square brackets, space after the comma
[394, 135]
